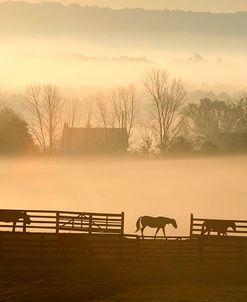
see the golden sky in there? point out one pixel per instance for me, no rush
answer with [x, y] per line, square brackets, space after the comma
[196, 5]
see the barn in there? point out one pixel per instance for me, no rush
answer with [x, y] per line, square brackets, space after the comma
[87, 140]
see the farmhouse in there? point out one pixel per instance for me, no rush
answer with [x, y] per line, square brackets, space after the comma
[87, 140]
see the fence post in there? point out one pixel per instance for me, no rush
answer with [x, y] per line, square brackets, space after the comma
[122, 223]
[106, 227]
[181, 250]
[137, 247]
[121, 246]
[165, 247]
[200, 249]
[90, 224]
[81, 223]
[1, 245]
[191, 225]
[42, 243]
[57, 222]
[24, 222]
[241, 250]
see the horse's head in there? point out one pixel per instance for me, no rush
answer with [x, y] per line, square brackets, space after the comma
[174, 223]
[27, 218]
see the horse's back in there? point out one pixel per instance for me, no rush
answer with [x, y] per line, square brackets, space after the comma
[154, 221]
[217, 225]
[10, 215]
[155, 218]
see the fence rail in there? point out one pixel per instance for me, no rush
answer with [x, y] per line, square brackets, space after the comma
[100, 236]
[67, 221]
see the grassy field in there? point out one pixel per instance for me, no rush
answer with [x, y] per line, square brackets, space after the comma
[105, 291]
[182, 293]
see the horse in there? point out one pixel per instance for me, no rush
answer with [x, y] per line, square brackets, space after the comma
[219, 226]
[74, 241]
[14, 216]
[154, 222]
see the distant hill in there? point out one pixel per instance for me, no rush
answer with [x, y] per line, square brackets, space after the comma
[20, 18]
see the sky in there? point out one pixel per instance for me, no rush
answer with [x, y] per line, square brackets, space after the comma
[194, 5]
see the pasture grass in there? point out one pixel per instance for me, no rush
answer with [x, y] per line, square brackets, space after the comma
[183, 292]
[74, 290]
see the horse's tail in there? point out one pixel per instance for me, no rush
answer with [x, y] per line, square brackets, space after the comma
[138, 224]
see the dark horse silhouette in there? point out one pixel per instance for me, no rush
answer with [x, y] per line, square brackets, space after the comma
[14, 216]
[154, 222]
[219, 226]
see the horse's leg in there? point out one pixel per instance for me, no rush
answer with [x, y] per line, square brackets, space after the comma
[203, 229]
[164, 232]
[142, 230]
[156, 232]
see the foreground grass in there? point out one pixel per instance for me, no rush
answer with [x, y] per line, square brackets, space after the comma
[183, 293]
[103, 292]
[86, 287]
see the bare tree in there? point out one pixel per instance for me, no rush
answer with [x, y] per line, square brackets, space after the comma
[119, 109]
[53, 108]
[45, 106]
[145, 138]
[34, 104]
[167, 97]
[104, 114]
[125, 108]
[72, 112]
[88, 113]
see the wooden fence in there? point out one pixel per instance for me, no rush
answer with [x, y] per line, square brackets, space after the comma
[94, 246]
[197, 223]
[92, 237]
[63, 221]
[181, 251]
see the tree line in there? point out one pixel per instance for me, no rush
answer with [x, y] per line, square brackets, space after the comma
[163, 122]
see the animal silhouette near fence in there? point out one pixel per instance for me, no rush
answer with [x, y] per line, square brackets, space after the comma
[14, 216]
[159, 223]
[208, 227]
[221, 227]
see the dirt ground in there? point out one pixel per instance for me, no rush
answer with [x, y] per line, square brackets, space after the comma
[174, 291]
[182, 293]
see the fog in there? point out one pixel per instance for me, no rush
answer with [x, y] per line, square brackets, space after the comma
[91, 65]
[207, 187]
[73, 46]
[194, 5]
